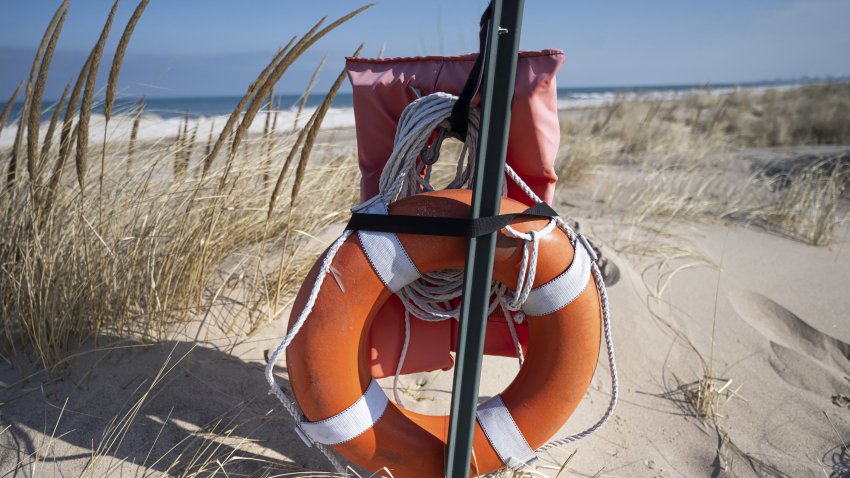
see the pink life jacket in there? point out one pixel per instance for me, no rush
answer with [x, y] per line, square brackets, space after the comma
[382, 88]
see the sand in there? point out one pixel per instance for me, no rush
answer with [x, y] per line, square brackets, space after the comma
[765, 316]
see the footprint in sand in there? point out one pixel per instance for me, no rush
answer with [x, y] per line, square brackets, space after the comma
[802, 355]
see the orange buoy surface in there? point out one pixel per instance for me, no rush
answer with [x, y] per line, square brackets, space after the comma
[329, 365]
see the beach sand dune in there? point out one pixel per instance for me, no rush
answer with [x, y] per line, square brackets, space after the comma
[731, 332]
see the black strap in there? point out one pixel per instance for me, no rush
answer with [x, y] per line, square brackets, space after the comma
[459, 120]
[442, 226]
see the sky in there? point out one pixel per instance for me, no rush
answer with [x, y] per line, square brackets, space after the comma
[216, 47]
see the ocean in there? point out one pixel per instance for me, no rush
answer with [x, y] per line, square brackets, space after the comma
[162, 116]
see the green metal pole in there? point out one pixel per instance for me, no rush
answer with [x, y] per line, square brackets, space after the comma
[497, 92]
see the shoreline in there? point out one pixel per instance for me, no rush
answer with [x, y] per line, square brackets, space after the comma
[158, 126]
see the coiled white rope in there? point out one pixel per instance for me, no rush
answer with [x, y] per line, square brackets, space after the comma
[429, 298]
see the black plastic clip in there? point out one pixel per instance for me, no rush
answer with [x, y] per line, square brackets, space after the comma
[430, 154]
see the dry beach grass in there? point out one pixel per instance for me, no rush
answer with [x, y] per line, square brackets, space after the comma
[161, 239]
[685, 150]
[136, 254]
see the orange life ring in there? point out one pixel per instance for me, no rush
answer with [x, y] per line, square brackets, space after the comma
[328, 362]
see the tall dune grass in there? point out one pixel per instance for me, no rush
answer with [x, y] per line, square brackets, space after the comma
[808, 198]
[143, 255]
[811, 114]
[682, 158]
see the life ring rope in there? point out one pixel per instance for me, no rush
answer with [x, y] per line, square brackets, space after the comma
[276, 389]
[398, 272]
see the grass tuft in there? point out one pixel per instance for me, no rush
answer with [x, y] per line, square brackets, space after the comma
[8, 108]
[81, 158]
[34, 121]
[808, 196]
[118, 59]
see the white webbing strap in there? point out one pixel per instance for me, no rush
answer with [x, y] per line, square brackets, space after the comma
[349, 423]
[385, 252]
[562, 290]
[504, 435]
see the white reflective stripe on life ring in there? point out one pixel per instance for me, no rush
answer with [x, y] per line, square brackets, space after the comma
[504, 434]
[562, 290]
[348, 424]
[386, 253]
